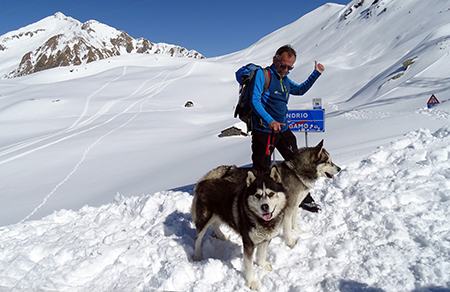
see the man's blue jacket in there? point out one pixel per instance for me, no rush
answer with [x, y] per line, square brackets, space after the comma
[272, 106]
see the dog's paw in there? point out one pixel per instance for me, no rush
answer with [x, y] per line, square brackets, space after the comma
[197, 258]
[291, 243]
[220, 236]
[298, 230]
[266, 266]
[253, 285]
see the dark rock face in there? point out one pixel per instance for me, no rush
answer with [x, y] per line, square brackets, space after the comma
[85, 43]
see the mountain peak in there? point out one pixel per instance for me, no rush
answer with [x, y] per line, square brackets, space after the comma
[59, 16]
[59, 40]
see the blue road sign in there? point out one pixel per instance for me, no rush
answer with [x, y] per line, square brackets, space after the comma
[306, 120]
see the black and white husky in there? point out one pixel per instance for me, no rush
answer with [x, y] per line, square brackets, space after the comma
[252, 205]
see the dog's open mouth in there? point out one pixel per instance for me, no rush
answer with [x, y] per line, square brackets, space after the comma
[329, 175]
[268, 216]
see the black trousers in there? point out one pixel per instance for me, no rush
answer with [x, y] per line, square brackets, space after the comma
[284, 143]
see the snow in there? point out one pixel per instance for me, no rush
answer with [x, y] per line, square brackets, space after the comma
[385, 224]
[45, 40]
[98, 164]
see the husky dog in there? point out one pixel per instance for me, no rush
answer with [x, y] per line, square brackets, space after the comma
[298, 176]
[252, 205]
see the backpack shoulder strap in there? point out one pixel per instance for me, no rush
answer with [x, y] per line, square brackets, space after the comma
[267, 78]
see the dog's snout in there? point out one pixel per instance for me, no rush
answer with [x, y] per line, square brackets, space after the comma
[265, 207]
[338, 168]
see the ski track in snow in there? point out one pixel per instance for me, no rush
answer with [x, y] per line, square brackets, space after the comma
[102, 111]
[385, 221]
[79, 127]
[75, 128]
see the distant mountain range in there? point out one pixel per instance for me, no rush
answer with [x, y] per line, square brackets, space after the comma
[59, 40]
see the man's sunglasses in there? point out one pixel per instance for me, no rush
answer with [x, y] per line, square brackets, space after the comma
[284, 66]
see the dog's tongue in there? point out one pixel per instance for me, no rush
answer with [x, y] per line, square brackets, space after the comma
[267, 217]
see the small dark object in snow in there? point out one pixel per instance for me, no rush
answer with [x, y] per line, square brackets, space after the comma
[189, 104]
[233, 131]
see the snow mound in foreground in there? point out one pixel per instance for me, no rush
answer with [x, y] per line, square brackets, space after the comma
[384, 227]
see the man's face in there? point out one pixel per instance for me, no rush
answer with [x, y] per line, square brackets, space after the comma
[284, 64]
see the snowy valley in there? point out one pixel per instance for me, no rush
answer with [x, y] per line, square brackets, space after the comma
[98, 162]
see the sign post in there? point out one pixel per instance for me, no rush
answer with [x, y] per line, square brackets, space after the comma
[317, 103]
[306, 121]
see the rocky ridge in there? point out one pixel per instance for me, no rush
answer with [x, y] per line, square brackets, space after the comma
[59, 40]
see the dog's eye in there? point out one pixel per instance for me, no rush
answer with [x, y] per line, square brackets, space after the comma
[271, 194]
[258, 196]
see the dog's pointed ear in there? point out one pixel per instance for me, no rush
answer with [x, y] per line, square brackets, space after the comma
[320, 145]
[319, 148]
[250, 178]
[275, 175]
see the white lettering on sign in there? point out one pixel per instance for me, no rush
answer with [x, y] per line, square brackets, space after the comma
[298, 126]
[296, 116]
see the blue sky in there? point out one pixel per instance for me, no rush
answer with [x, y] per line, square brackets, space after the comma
[214, 28]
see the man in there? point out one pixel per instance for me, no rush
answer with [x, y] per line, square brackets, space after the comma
[270, 129]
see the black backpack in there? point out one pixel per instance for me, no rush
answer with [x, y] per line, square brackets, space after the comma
[244, 77]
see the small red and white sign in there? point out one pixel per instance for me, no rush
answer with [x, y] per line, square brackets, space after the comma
[432, 101]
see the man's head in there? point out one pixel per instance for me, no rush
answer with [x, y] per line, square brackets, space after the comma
[284, 59]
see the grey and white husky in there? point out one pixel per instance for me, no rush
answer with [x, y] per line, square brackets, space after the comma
[298, 176]
[252, 205]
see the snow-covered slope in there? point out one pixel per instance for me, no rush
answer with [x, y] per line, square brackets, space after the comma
[363, 47]
[59, 40]
[384, 227]
[98, 163]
